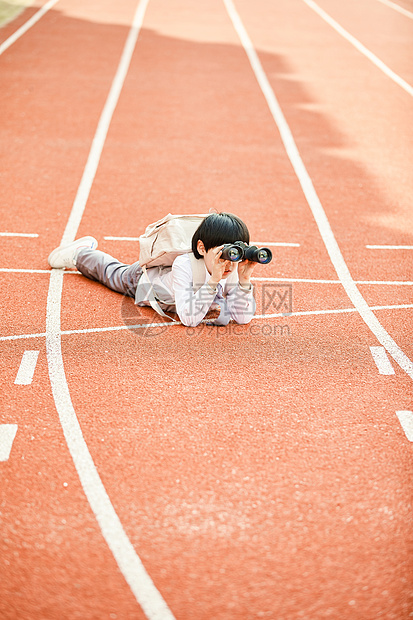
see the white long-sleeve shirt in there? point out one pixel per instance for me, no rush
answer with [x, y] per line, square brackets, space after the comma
[174, 286]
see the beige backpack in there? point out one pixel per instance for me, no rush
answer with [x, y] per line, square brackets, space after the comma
[163, 241]
[167, 238]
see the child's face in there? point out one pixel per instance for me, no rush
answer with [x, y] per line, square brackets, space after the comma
[209, 259]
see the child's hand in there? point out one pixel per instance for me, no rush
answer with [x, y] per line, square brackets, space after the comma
[219, 265]
[245, 269]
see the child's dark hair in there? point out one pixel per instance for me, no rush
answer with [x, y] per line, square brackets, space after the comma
[217, 229]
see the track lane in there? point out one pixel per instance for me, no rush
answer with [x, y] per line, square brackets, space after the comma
[211, 484]
[26, 25]
[374, 25]
[314, 203]
[19, 20]
[50, 124]
[398, 7]
[287, 487]
[141, 584]
[57, 144]
[49, 532]
[171, 431]
[360, 141]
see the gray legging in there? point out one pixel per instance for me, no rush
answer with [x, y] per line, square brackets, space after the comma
[102, 267]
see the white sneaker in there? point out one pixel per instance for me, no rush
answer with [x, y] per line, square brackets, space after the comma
[65, 255]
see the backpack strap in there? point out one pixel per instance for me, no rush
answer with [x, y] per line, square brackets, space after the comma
[198, 272]
[151, 297]
[198, 280]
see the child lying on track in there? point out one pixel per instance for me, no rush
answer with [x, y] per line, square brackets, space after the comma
[195, 284]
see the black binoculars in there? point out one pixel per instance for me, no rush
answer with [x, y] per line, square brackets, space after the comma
[242, 251]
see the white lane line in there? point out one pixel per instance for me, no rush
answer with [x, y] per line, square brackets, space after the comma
[118, 328]
[389, 247]
[22, 337]
[273, 243]
[313, 200]
[281, 244]
[360, 47]
[406, 420]
[382, 361]
[121, 238]
[142, 586]
[27, 25]
[94, 330]
[5, 270]
[386, 282]
[99, 139]
[143, 325]
[7, 435]
[311, 281]
[27, 368]
[397, 7]
[257, 316]
[9, 234]
[337, 311]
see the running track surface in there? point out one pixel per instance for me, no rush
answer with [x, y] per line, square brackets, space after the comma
[256, 472]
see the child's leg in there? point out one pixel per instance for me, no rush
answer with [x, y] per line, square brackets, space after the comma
[102, 267]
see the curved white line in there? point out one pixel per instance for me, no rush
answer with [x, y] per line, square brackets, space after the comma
[127, 559]
[313, 200]
[142, 586]
[360, 47]
[397, 8]
[27, 25]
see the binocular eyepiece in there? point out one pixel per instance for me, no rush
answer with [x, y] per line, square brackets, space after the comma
[239, 250]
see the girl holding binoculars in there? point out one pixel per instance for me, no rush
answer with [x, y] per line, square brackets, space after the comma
[217, 274]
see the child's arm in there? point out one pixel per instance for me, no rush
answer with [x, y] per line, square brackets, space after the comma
[240, 298]
[241, 303]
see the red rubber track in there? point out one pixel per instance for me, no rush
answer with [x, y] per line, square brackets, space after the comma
[258, 474]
